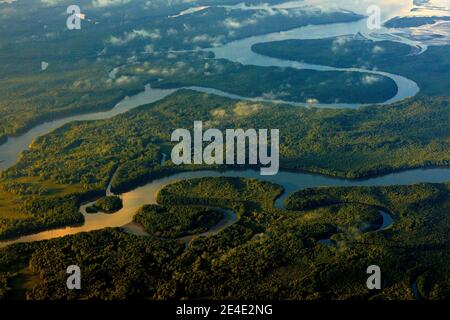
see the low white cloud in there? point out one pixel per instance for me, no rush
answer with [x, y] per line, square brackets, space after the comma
[377, 50]
[202, 38]
[234, 23]
[312, 102]
[125, 80]
[370, 79]
[135, 34]
[105, 3]
[339, 44]
[52, 2]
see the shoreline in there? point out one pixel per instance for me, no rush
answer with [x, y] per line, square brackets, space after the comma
[161, 182]
[400, 82]
[225, 168]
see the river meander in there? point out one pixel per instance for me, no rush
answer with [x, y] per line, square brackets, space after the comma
[237, 51]
[290, 181]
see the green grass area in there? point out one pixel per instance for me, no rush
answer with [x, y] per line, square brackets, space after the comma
[267, 254]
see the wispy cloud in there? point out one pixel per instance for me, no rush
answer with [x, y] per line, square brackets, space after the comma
[370, 79]
[135, 34]
[107, 3]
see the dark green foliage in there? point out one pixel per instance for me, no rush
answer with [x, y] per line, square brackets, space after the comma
[267, 254]
[114, 266]
[43, 214]
[374, 140]
[343, 52]
[77, 79]
[414, 208]
[430, 69]
[177, 221]
[108, 204]
[223, 191]
[24, 189]
[287, 84]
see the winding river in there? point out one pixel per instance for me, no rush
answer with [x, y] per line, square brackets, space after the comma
[290, 181]
[386, 222]
[238, 51]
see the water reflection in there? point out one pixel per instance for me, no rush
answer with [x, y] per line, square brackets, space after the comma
[239, 51]
[290, 181]
[10, 150]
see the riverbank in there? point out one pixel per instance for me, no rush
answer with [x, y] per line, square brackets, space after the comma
[339, 142]
[291, 182]
[237, 51]
[277, 247]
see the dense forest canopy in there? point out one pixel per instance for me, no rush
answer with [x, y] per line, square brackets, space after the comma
[81, 62]
[267, 254]
[220, 237]
[429, 69]
[77, 161]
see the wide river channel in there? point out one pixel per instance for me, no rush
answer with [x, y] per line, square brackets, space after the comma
[238, 51]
